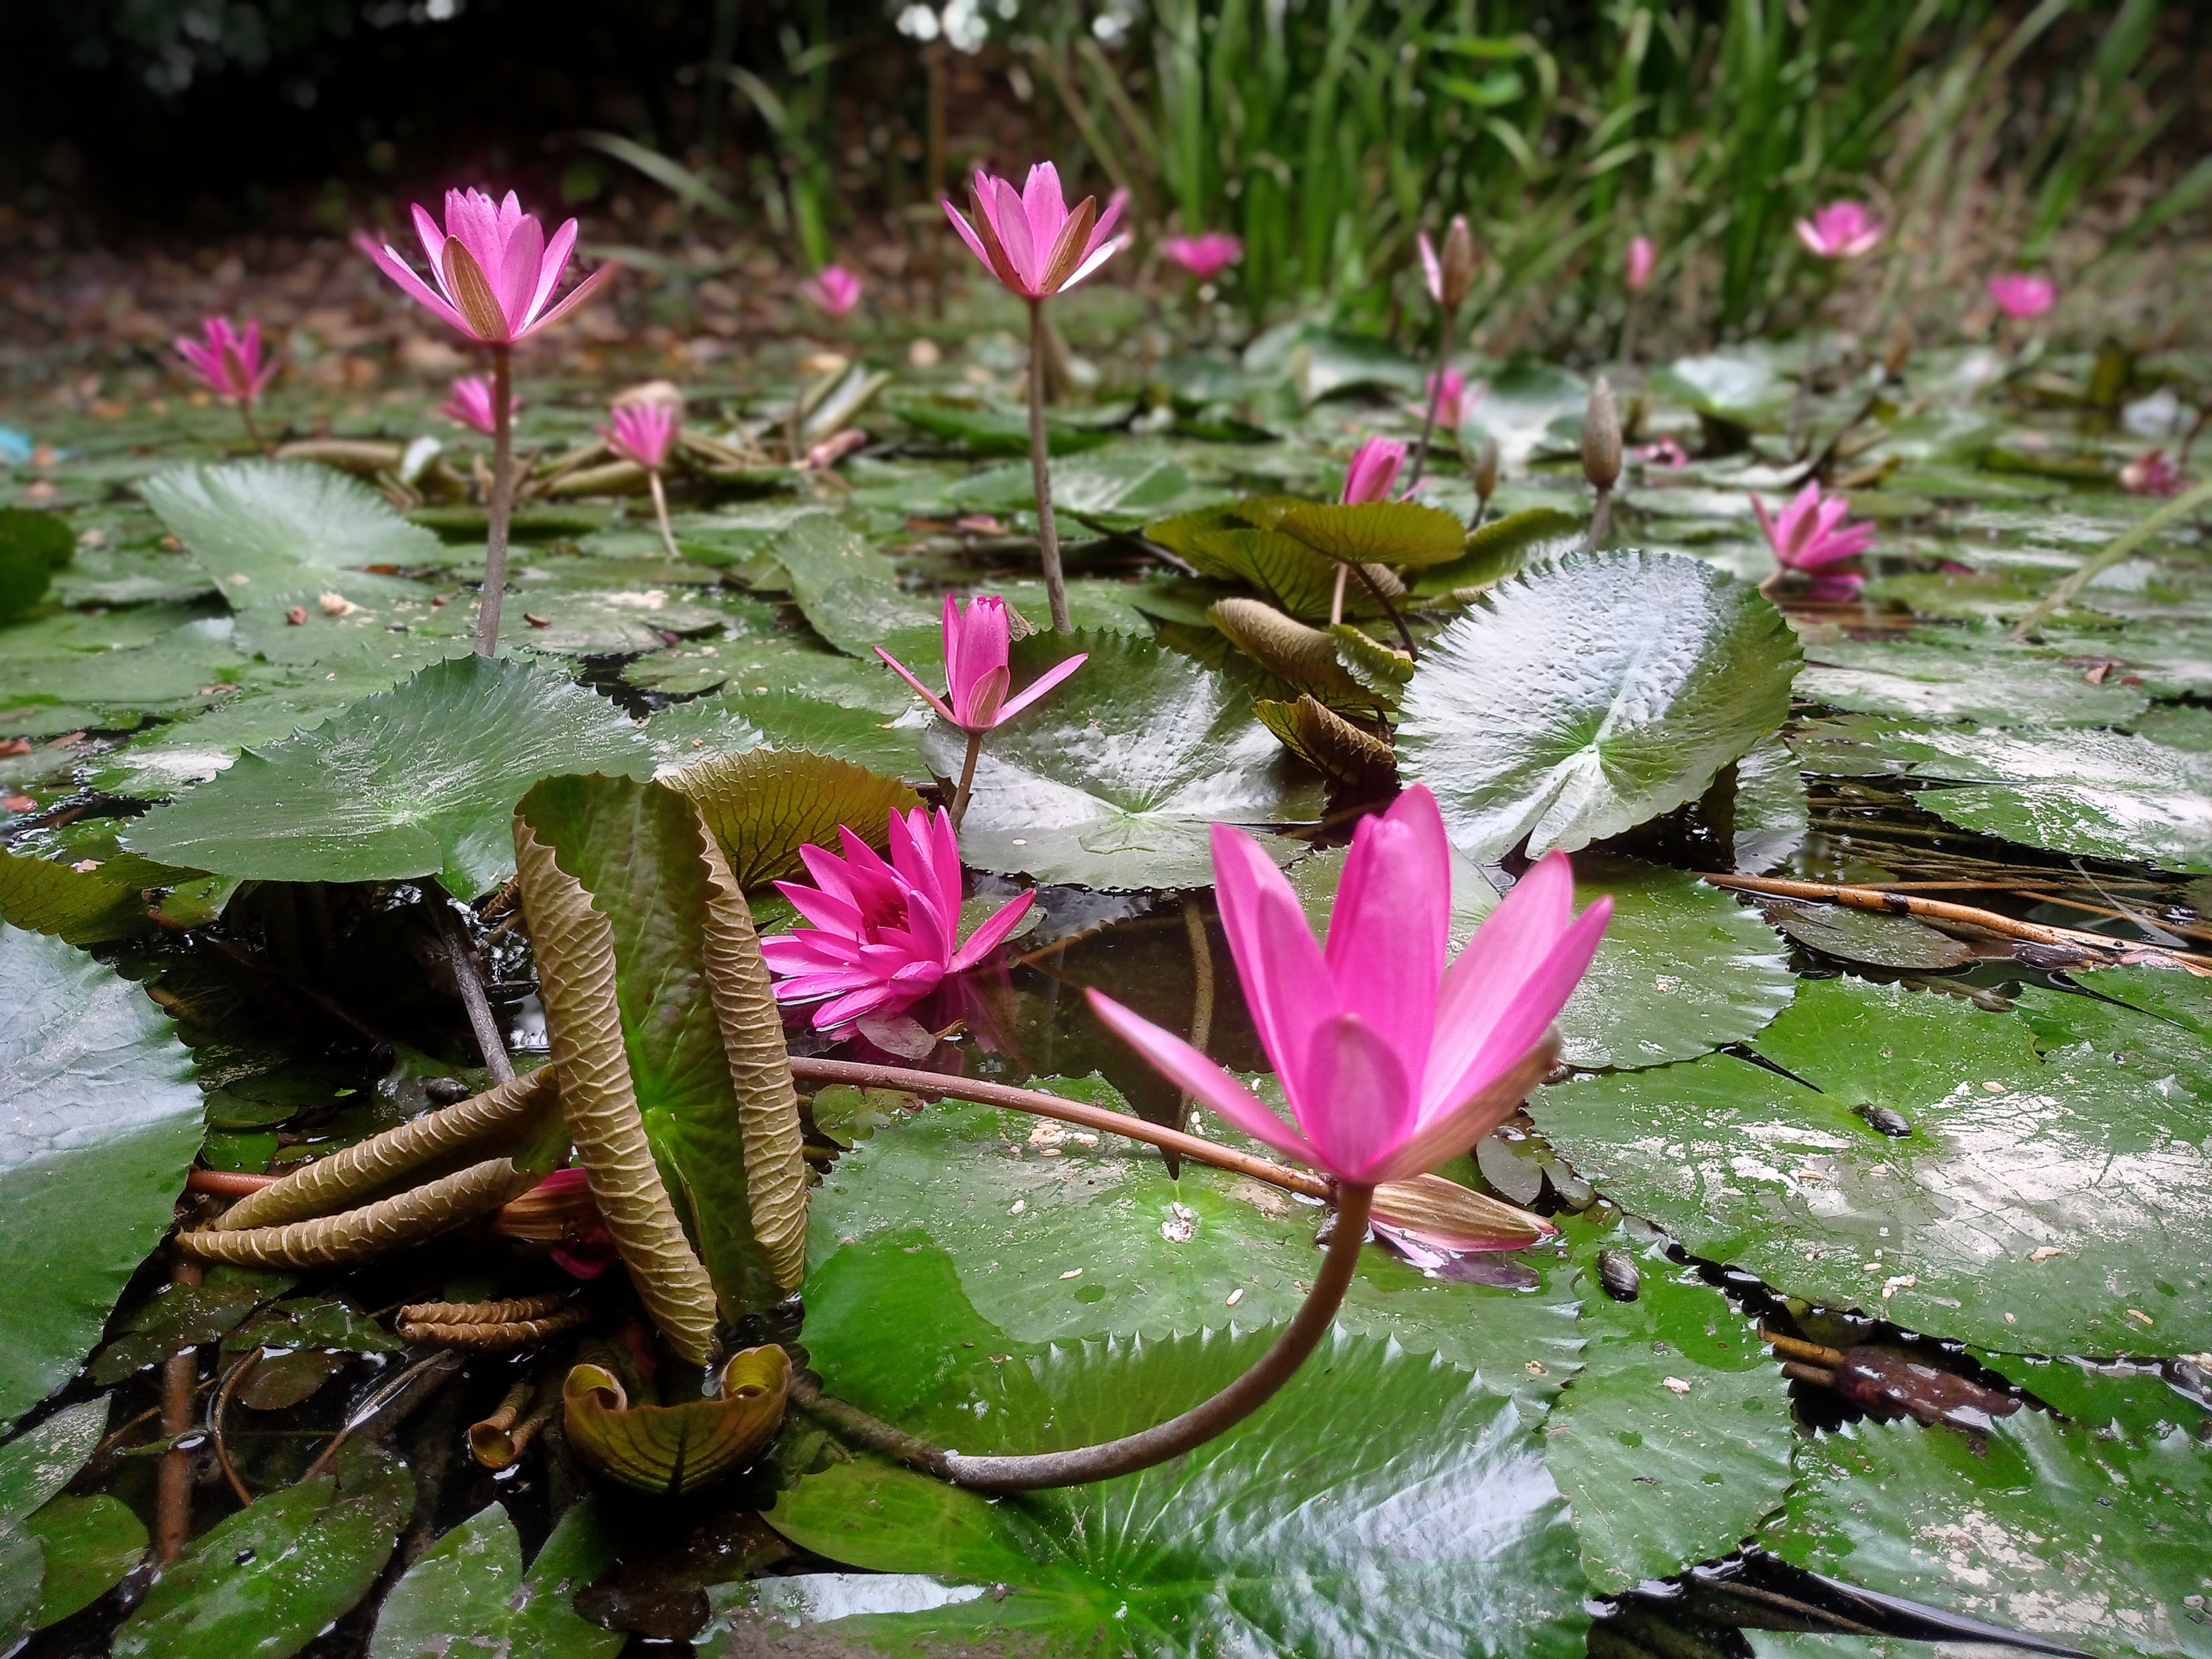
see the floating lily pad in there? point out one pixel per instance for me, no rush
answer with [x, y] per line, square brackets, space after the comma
[90, 1544]
[1743, 388]
[2052, 1528]
[468, 1590]
[77, 906]
[1584, 697]
[1000, 430]
[1374, 532]
[1058, 1241]
[763, 804]
[2054, 1203]
[1880, 941]
[272, 534]
[1117, 490]
[1116, 778]
[1672, 1441]
[34, 546]
[1976, 678]
[416, 781]
[1217, 543]
[33, 1469]
[102, 1121]
[1768, 815]
[850, 593]
[1519, 407]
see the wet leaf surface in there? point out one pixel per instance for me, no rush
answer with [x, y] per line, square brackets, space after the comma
[468, 1590]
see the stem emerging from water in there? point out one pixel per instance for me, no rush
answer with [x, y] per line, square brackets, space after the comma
[502, 500]
[1142, 1450]
[1435, 397]
[1055, 585]
[967, 778]
[660, 511]
[252, 432]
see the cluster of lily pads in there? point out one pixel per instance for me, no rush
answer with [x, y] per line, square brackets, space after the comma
[1817, 1165]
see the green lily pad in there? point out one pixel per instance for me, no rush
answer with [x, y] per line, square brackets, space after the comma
[890, 745]
[191, 665]
[1768, 815]
[102, 1121]
[995, 430]
[1880, 941]
[33, 546]
[1519, 407]
[1118, 488]
[77, 906]
[1584, 697]
[1064, 1241]
[1217, 543]
[1116, 778]
[850, 593]
[415, 781]
[1977, 678]
[1672, 1441]
[468, 1590]
[1373, 532]
[90, 1544]
[2052, 1203]
[1745, 388]
[272, 534]
[2053, 1528]
[267, 1579]
[33, 1469]
[1503, 547]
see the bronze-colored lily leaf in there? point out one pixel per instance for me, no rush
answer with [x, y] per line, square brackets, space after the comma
[1302, 657]
[1327, 742]
[1455, 1217]
[763, 804]
[675, 1449]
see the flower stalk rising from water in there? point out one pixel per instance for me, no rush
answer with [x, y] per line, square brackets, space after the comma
[494, 273]
[1037, 246]
[977, 640]
[644, 431]
[228, 360]
[1448, 275]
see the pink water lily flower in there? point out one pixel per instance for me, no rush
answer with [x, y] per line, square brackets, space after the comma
[642, 432]
[2152, 473]
[1841, 230]
[1373, 470]
[227, 358]
[470, 402]
[1662, 453]
[1642, 259]
[886, 934]
[835, 289]
[976, 641]
[1449, 390]
[1391, 1061]
[2021, 296]
[1812, 533]
[495, 270]
[1204, 257]
[1030, 240]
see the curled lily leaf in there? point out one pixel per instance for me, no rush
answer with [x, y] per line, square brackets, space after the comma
[1303, 657]
[1328, 743]
[675, 1449]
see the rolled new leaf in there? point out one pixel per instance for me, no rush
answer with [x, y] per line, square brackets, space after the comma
[760, 1073]
[574, 944]
[674, 1449]
[1305, 657]
[351, 1236]
[1328, 743]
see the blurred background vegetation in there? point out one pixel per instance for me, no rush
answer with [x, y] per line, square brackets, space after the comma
[2065, 134]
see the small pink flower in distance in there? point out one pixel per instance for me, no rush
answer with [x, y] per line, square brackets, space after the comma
[495, 270]
[1841, 230]
[228, 359]
[835, 289]
[977, 642]
[1391, 1061]
[2021, 297]
[1662, 453]
[885, 935]
[1030, 240]
[1453, 399]
[1812, 533]
[1374, 469]
[643, 432]
[1643, 257]
[2151, 474]
[1204, 257]
[470, 403]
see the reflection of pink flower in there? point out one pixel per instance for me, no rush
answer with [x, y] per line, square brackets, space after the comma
[1374, 469]
[885, 935]
[1643, 256]
[1387, 1058]
[2151, 474]
[1204, 257]
[470, 403]
[1814, 532]
[1028, 240]
[976, 678]
[1662, 452]
[643, 432]
[1841, 230]
[228, 359]
[835, 290]
[495, 270]
[2021, 296]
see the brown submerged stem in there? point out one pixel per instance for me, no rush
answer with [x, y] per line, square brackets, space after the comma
[1131, 1453]
[172, 1490]
[502, 500]
[1055, 584]
[468, 978]
[967, 779]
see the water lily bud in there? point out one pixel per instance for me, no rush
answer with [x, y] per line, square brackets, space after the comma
[1601, 438]
[1484, 468]
[1457, 263]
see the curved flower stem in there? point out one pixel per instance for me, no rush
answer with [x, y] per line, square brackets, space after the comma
[967, 779]
[1040, 1104]
[1055, 585]
[1435, 397]
[1601, 524]
[502, 500]
[252, 432]
[1126, 1455]
[1405, 634]
[660, 512]
[1336, 599]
